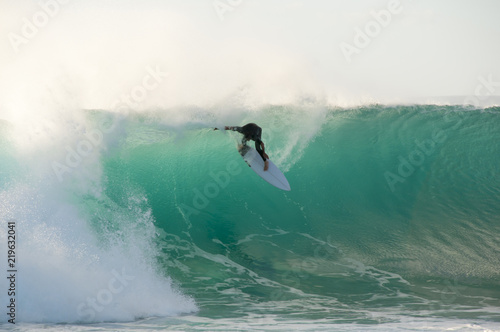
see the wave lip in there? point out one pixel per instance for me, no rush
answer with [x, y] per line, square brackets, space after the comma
[92, 252]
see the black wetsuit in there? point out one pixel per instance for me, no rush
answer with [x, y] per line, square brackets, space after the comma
[252, 132]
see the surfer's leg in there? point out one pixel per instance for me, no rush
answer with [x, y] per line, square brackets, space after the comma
[261, 153]
[259, 150]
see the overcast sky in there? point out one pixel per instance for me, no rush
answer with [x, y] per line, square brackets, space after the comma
[269, 50]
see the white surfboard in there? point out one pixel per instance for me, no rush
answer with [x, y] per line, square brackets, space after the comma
[273, 175]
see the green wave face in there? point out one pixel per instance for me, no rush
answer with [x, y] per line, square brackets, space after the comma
[392, 209]
[384, 201]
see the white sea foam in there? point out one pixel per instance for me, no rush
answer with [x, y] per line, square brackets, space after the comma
[84, 262]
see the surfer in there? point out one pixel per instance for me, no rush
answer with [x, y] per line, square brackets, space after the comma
[252, 132]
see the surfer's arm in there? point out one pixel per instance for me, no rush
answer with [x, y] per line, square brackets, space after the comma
[233, 128]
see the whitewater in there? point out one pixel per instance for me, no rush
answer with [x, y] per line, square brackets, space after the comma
[122, 209]
[131, 221]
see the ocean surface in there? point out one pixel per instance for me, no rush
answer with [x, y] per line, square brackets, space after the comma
[152, 221]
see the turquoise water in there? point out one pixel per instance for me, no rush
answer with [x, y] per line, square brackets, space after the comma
[392, 222]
